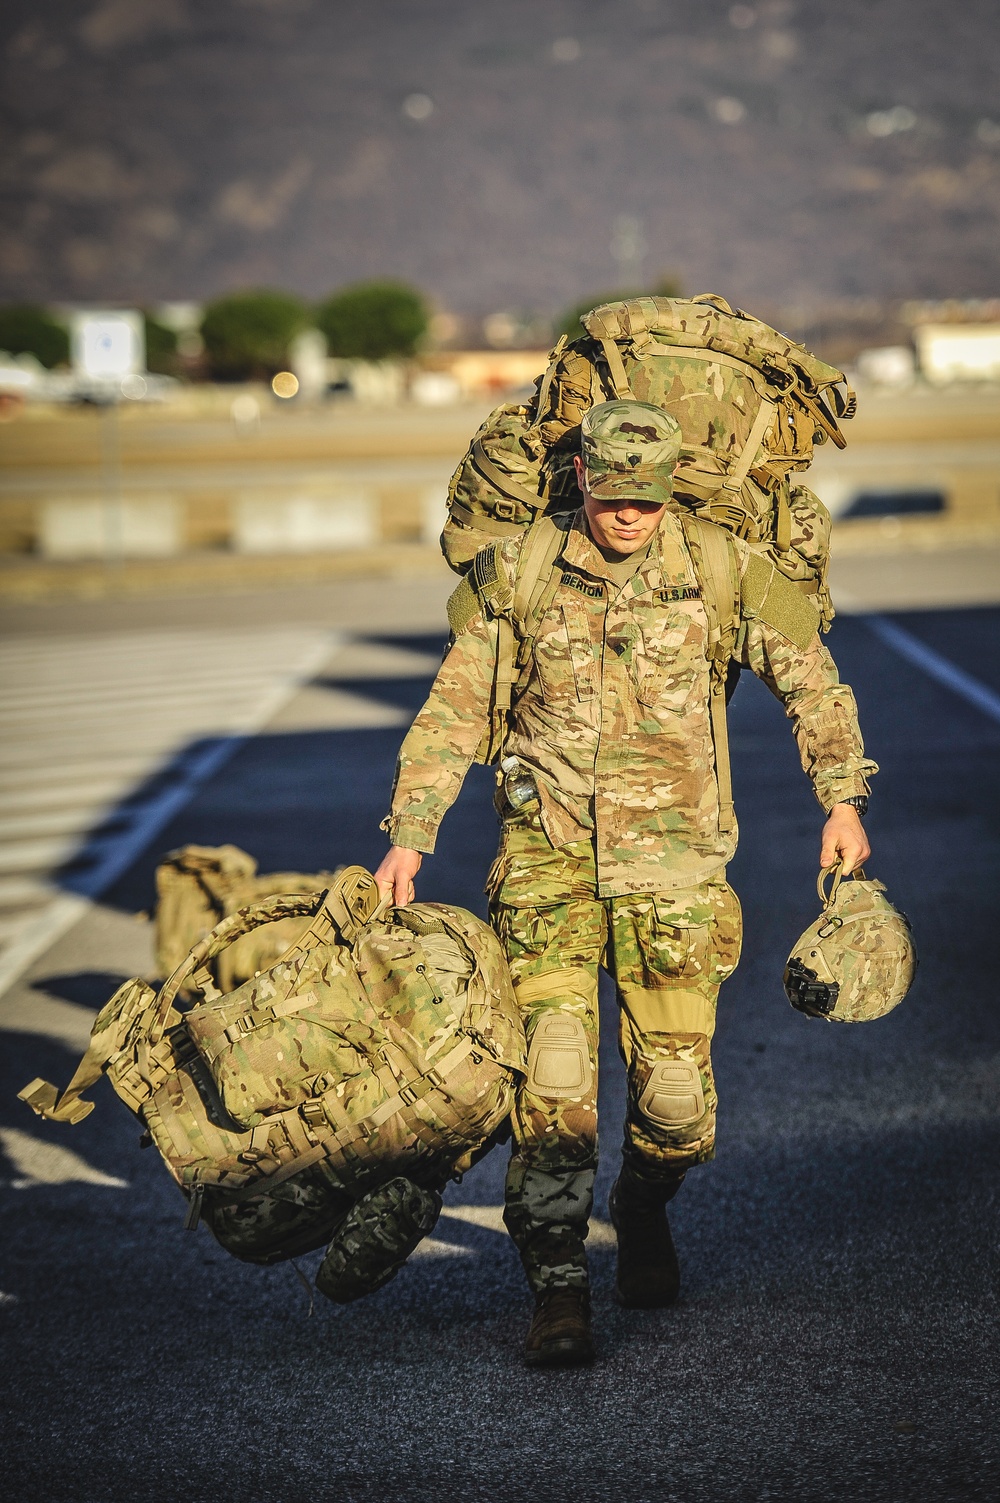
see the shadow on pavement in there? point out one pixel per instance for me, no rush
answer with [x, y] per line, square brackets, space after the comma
[835, 1339]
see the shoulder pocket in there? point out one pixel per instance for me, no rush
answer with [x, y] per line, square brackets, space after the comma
[462, 607]
[766, 595]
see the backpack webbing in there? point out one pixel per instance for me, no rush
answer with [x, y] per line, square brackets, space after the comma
[350, 905]
[517, 616]
[535, 585]
[741, 465]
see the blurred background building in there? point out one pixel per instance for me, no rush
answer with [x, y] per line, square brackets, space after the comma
[330, 238]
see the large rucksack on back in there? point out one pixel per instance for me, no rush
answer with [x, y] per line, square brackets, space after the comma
[198, 885]
[372, 1062]
[750, 402]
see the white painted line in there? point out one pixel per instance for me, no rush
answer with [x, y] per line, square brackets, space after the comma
[148, 737]
[24, 892]
[121, 850]
[138, 701]
[73, 821]
[114, 646]
[936, 667]
[73, 797]
[196, 681]
[12, 925]
[39, 934]
[35, 855]
[71, 769]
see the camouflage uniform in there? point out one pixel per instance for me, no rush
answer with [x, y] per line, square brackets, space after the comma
[624, 862]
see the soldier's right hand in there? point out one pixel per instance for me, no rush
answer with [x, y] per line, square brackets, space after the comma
[396, 874]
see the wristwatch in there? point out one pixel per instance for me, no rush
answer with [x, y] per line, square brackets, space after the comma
[857, 801]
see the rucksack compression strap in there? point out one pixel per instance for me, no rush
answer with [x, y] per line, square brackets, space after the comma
[715, 564]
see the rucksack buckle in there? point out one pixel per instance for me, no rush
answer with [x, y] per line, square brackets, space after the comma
[312, 1113]
[239, 1028]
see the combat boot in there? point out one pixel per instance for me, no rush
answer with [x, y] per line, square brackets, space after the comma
[559, 1334]
[649, 1274]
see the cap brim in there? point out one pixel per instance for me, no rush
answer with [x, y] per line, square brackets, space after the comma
[636, 485]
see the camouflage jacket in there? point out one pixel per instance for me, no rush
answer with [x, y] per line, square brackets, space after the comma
[613, 718]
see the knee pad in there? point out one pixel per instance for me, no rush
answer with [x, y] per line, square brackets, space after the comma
[559, 1063]
[673, 1095]
[558, 1058]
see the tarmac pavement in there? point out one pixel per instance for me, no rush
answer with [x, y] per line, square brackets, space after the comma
[836, 1333]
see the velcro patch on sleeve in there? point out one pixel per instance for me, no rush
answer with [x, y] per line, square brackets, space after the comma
[463, 604]
[769, 597]
[488, 578]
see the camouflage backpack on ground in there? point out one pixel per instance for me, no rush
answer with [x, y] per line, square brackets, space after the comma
[857, 961]
[751, 404]
[345, 1084]
[198, 885]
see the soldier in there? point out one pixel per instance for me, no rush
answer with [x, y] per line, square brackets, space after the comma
[613, 852]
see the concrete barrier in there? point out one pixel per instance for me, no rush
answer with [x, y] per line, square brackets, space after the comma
[304, 523]
[75, 527]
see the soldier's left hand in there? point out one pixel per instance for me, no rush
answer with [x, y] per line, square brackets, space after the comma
[844, 839]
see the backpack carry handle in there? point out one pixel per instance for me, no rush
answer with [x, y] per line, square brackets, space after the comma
[836, 871]
[226, 933]
[348, 905]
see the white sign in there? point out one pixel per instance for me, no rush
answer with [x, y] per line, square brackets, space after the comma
[958, 352]
[108, 345]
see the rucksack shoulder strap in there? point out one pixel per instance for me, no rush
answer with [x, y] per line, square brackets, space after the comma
[545, 384]
[714, 555]
[107, 1040]
[516, 605]
[542, 546]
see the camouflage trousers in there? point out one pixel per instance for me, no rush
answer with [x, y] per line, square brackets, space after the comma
[668, 953]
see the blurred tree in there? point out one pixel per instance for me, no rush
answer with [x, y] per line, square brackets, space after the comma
[161, 347]
[27, 330]
[569, 324]
[373, 320]
[247, 334]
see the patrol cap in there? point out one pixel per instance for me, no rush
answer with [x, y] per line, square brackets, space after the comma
[629, 451]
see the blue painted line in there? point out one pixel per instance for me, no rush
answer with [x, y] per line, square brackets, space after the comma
[936, 667]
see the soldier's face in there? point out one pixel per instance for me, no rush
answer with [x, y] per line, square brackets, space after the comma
[623, 526]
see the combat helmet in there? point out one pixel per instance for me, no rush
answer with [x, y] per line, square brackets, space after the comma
[857, 961]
